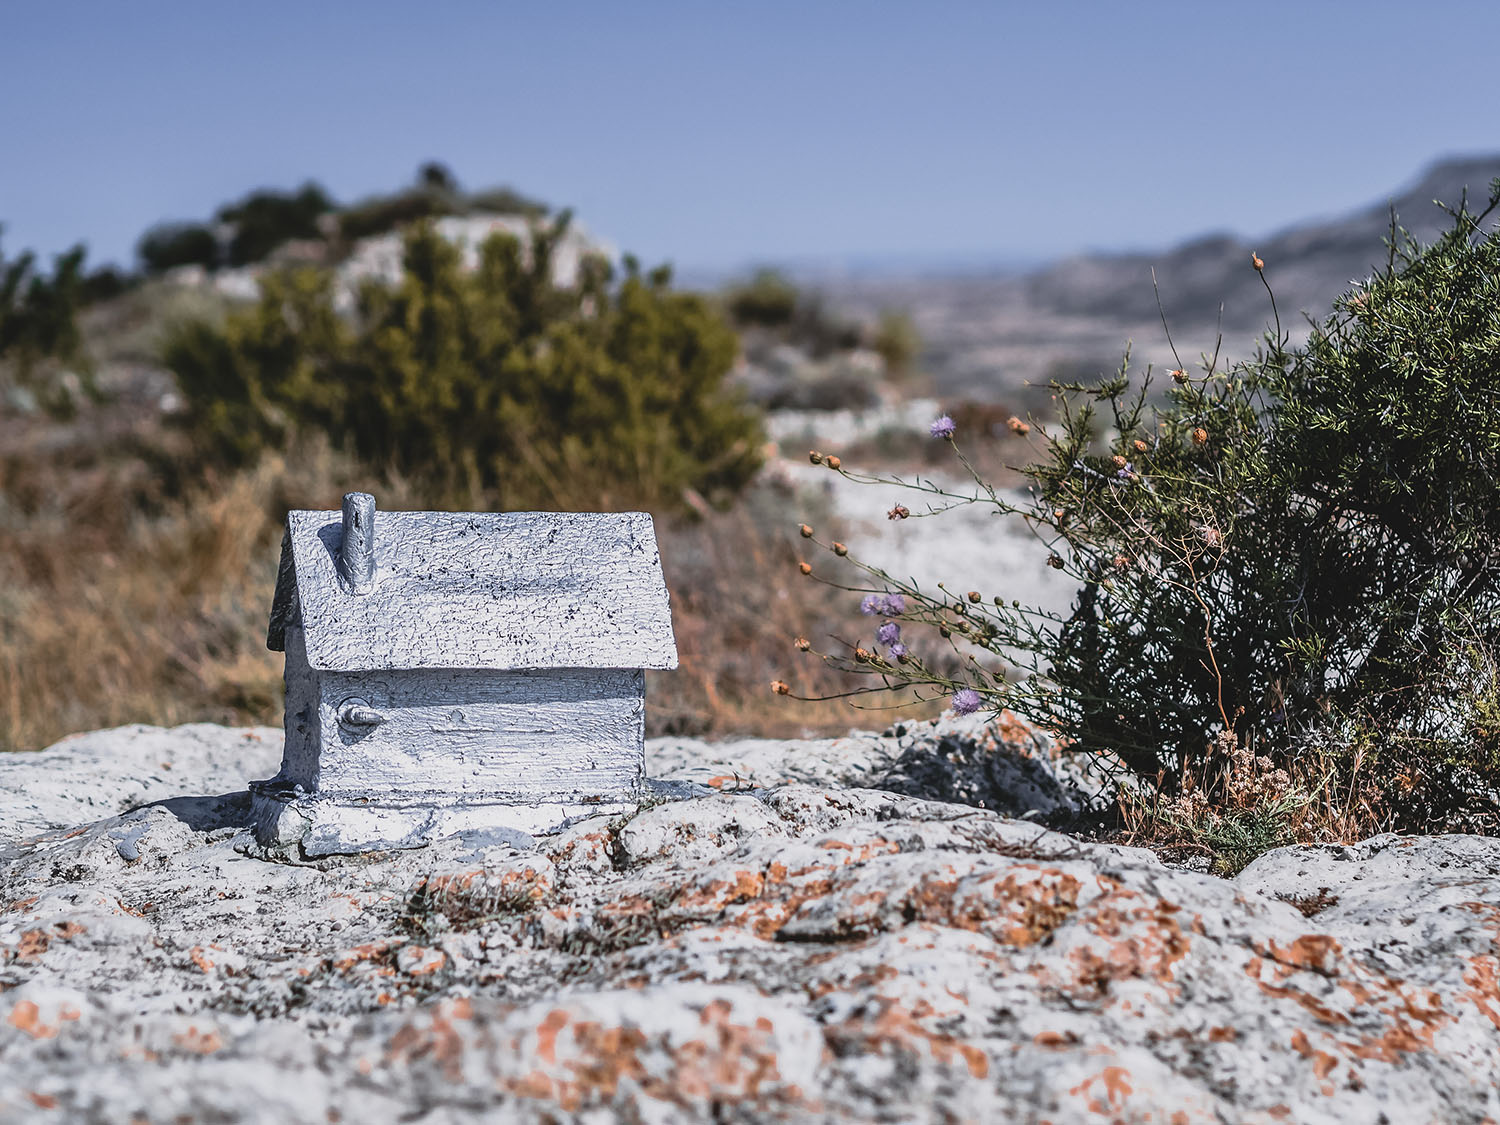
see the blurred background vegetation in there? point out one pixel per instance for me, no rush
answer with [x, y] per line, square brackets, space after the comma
[155, 429]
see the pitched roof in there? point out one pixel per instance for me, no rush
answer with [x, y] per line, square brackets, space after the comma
[480, 590]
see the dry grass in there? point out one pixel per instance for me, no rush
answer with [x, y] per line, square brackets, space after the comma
[120, 602]
[1239, 805]
[738, 603]
[984, 432]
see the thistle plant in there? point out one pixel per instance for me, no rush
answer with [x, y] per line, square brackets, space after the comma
[1296, 555]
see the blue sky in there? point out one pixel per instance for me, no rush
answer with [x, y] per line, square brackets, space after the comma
[713, 135]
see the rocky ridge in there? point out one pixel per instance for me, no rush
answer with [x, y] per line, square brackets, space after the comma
[812, 939]
[1003, 336]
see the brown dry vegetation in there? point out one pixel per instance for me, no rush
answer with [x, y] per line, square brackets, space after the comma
[121, 602]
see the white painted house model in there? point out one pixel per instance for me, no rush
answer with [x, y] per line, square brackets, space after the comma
[458, 670]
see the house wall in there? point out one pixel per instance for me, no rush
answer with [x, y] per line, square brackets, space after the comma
[465, 734]
[299, 762]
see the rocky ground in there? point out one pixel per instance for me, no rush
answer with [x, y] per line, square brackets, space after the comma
[814, 938]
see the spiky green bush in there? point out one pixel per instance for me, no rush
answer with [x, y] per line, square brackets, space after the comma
[266, 219]
[493, 383]
[169, 245]
[1302, 550]
[40, 341]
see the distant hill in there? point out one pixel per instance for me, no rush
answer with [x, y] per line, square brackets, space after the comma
[1310, 263]
[988, 336]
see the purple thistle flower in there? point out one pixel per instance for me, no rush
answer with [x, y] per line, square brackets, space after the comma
[966, 702]
[887, 605]
[1125, 473]
[889, 633]
[942, 428]
[898, 650]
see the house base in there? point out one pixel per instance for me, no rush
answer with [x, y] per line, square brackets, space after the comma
[288, 817]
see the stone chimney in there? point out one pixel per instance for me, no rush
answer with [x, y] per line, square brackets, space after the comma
[357, 551]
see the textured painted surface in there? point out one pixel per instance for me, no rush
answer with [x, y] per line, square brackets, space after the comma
[809, 951]
[478, 590]
[304, 731]
[356, 557]
[479, 735]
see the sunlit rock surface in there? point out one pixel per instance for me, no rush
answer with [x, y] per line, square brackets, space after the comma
[798, 944]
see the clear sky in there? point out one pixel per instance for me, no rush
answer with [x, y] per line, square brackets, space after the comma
[714, 134]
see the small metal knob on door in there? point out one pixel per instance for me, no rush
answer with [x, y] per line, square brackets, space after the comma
[356, 713]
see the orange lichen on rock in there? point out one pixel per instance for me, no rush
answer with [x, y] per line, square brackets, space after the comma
[894, 1026]
[1323, 1062]
[27, 1018]
[433, 1037]
[1015, 730]
[1128, 936]
[1317, 953]
[1483, 978]
[33, 943]
[198, 1042]
[1116, 1088]
[468, 896]
[420, 960]
[1055, 1040]
[584, 1063]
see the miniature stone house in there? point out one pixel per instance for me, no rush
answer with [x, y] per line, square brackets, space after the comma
[458, 670]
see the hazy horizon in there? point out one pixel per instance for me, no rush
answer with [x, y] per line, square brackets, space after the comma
[823, 136]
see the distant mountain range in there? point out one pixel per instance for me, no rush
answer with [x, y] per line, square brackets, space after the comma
[987, 336]
[1310, 263]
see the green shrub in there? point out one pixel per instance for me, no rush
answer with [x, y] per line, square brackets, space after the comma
[383, 213]
[264, 220]
[168, 245]
[505, 201]
[897, 342]
[39, 334]
[435, 193]
[494, 383]
[767, 300]
[1301, 551]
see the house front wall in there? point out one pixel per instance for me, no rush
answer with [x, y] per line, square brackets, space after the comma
[299, 761]
[467, 735]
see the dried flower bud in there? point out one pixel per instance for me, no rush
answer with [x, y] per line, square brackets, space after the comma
[975, 596]
[899, 512]
[1140, 446]
[840, 550]
[1055, 562]
[1120, 562]
[802, 644]
[862, 654]
[807, 532]
[1119, 461]
[780, 687]
[832, 462]
[1017, 426]
[944, 631]
[814, 456]
[1179, 375]
[1256, 261]
[804, 567]
[1200, 436]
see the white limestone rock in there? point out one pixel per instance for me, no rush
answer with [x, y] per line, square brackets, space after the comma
[815, 950]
